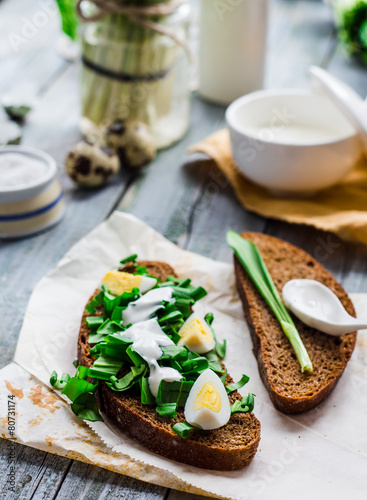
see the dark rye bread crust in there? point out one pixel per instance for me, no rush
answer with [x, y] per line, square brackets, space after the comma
[229, 448]
[292, 391]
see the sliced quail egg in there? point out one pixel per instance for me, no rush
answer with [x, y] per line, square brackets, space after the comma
[207, 405]
[196, 334]
[119, 282]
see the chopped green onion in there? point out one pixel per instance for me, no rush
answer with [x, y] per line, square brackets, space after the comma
[80, 392]
[141, 270]
[130, 258]
[116, 315]
[171, 331]
[183, 429]
[214, 362]
[224, 377]
[174, 392]
[98, 349]
[246, 405]
[110, 301]
[59, 384]
[146, 396]
[85, 407]
[75, 387]
[130, 379]
[95, 303]
[220, 347]
[107, 327]
[104, 367]
[175, 352]
[134, 356]
[110, 326]
[237, 385]
[209, 318]
[182, 282]
[250, 258]
[167, 410]
[170, 318]
[94, 322]
[198, 293]
[196, 365]
[184, 306]
[82, 372]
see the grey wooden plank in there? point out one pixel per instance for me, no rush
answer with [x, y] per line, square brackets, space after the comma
[300, 34]
[85, 482]
[32, 467]
[36, 59]
[180, 495]
[217, 211]
[164, 195]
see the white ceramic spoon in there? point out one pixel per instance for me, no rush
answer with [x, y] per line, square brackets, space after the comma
[317, 306]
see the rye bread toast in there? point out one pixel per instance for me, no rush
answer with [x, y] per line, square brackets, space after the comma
[230, 447]
[292, 391]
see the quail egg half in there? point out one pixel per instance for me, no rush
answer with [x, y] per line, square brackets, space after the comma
[196, 334]
[119, 282]
[207, 405]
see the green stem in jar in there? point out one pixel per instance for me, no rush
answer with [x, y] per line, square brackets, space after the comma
[133, 50]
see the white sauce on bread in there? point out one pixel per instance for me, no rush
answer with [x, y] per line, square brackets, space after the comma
[144, 307]
[148, 337]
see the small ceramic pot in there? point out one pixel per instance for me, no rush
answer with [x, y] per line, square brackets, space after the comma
[30, 201]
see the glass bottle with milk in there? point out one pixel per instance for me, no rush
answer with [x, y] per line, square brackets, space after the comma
[232, 48]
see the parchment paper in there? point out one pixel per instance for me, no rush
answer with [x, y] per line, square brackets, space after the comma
[321, 453]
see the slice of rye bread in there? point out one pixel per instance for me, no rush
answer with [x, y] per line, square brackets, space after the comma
[230, 447]
[292, 391]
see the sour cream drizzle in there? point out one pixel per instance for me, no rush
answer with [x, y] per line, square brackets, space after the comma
[143, 308]
[148, 337]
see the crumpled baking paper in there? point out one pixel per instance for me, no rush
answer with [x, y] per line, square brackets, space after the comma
[321, 453]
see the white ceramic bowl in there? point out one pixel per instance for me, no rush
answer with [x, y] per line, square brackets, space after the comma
[291, 142]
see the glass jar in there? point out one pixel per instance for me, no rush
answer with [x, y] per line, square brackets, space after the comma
[132, 72]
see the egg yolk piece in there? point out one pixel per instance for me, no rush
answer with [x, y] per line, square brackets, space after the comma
[119, 282]
[208, 397]
[196, 335]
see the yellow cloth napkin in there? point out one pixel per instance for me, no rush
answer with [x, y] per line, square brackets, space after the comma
[341, 209]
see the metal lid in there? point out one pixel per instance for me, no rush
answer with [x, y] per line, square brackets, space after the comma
[346, 99]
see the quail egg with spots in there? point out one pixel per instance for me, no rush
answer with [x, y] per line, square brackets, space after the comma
[90, 165]
[196, 334]
[207, 405]
[119, 282]
[133, 142]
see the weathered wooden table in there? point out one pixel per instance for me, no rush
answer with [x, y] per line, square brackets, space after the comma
[185, 204]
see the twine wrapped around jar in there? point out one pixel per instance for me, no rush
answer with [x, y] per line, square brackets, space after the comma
[138, 14]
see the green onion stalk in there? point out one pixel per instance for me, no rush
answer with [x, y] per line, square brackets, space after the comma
[127, 71]
[252, 262]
